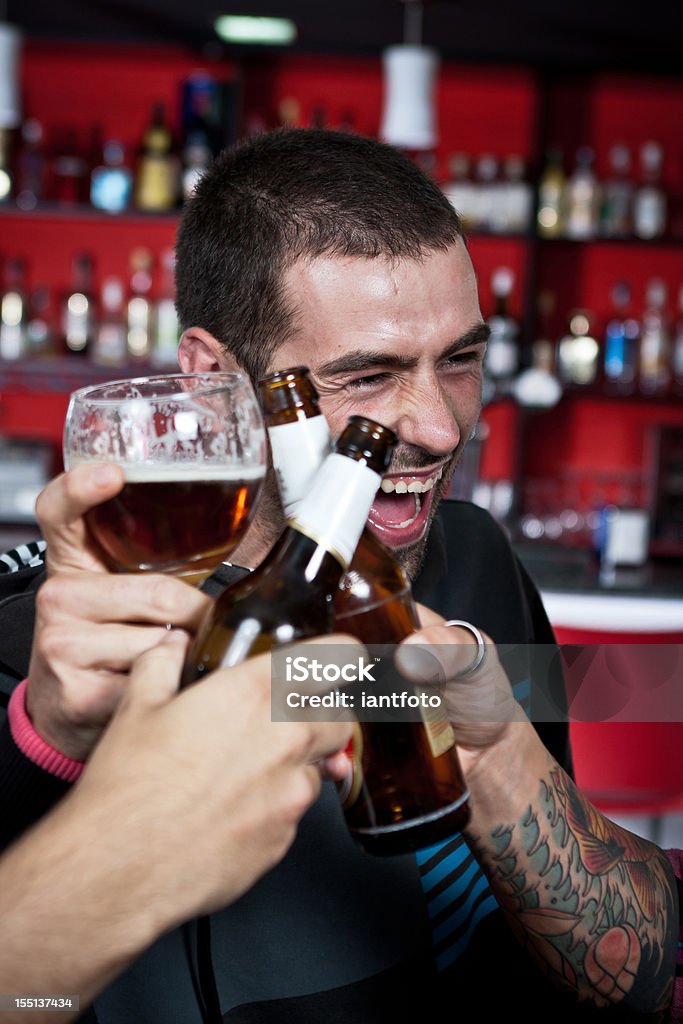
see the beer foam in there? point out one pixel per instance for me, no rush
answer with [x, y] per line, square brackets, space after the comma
[181, 472]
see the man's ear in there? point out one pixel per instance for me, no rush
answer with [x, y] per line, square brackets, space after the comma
[199, 352]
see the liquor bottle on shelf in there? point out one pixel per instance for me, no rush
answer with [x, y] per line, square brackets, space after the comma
[111, 182]
[650, 201]
[167, 336]
[550, 216]
[616, 215]
[139, 307]
[502, 352]
[196, 158]
[582, 197]
[654, 368]
[516, 200]
[405, 787]
[538, 386]
[110, 346]
[13, 310]
[156, 183]
[289, 596]
[621, 343]
[40, 335]
[69, 186]
[78, 308]
[461, 191]
[488, 185]
[578, 352]
[30, 179]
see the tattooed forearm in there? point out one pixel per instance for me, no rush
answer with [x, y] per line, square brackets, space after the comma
[595, 904]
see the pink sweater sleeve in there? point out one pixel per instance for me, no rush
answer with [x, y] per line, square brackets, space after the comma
[34, 746]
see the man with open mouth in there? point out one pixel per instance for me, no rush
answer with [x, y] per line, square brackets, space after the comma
[332, 251]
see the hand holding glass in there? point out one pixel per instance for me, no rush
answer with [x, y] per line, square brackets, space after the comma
[193, 452]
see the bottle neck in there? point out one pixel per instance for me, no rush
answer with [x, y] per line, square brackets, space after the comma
[335, 509]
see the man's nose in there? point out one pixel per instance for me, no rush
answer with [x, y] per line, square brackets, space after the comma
[426, 419]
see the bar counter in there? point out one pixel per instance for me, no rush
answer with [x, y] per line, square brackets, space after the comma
[578, 595]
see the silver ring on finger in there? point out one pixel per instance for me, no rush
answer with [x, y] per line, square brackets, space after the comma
[480, 655]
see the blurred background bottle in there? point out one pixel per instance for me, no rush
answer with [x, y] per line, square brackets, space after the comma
[616, 215]
[13, 310]
[156, 181]
[78, 307]
[550, 216]
[167, 333]
[111, 182]
[139, 308]
[30, 178]
[650, 201]
[655, 341]
[621, 343]
[502, 352]
[110, 345]
[578, 351]
[583, 197]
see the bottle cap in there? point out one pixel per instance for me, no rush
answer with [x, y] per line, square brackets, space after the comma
[357, 441]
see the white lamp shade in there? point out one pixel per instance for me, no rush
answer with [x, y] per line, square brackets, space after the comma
[10, 101]
[409, 115]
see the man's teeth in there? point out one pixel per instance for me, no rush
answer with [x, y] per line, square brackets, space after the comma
[414, 487]
[409, 522]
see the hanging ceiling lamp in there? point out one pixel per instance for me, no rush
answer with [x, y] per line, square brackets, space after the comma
[410, 69]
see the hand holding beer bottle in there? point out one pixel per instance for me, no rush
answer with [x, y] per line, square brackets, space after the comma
[405, 787]
[192, 449]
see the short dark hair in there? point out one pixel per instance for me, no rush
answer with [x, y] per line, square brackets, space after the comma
[291, 194]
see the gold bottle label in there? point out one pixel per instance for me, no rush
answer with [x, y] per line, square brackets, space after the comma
[440, 735]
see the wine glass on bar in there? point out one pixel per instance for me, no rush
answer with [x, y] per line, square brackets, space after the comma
[193, 451]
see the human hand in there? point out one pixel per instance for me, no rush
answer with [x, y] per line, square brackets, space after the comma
[90, 627]
[480, 706]
[199, 793]
[60, 508]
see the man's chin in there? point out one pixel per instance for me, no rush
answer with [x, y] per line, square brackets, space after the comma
[410, 555]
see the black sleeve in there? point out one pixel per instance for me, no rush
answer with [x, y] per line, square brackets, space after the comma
[17, 617]
[26, 791]
[547, 665]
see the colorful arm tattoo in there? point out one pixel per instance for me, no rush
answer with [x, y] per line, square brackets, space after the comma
[596, 905]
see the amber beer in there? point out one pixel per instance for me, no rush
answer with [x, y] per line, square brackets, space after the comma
[175, 519]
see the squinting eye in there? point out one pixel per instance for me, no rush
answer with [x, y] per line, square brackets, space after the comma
[360, 383]
[474, 355]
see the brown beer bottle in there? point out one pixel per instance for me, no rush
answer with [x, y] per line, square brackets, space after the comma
[405, 788]
[289, 596]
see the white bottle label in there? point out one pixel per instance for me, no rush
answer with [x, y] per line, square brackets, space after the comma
[298, 450]
[336, 508]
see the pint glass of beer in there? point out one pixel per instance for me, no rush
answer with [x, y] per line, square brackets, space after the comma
[193, 451]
